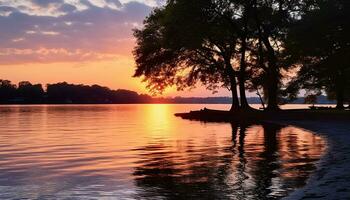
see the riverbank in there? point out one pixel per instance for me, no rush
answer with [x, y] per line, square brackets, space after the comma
[331, 180]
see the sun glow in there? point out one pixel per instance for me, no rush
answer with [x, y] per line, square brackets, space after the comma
[159, 115]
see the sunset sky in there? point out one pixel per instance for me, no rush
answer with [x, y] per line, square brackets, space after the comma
[78, 41]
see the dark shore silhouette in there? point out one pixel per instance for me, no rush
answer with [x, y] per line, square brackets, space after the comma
[253, 115]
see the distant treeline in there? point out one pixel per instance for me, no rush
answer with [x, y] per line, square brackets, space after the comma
[228, 100]
[65, 93]
[61, 93]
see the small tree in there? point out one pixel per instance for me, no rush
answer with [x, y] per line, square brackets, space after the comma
[7, 90]
[311, 99]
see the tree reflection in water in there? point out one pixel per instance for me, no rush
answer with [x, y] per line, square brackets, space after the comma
[258, 162]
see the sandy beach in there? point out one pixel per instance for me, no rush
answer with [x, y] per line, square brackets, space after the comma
[331, 180]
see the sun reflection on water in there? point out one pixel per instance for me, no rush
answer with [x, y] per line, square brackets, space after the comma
[158, 120]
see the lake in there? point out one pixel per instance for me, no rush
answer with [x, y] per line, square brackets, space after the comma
[145, 152]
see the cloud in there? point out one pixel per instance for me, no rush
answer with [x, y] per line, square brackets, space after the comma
[151, 3]
[96, 29]
[44, 55]
[67, 8]
[17, 39]
[46, 3]
[116, 3]
[6, 10]
[87, 3]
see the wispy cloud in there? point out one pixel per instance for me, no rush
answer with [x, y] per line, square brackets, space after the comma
[15, 56]
[39, 30]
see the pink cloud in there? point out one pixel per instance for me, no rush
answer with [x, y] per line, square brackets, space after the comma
[91, 33]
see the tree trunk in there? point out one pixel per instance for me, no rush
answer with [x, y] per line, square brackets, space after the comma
[272, 71]
[235, 102]
[242, 76]
[273, 77]
[233, 86]
[261, 100]
[243, 64]
[242, 95]
[272, 87]
[340, 89]
[340, 100]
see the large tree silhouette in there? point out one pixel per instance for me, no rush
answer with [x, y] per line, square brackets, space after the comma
[320, 43]
[186, 42]
[217, 43]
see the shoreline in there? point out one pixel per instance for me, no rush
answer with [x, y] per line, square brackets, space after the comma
[331, 178]
[253, 115]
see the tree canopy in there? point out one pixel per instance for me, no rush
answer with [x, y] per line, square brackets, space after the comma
[243, 43]
[188, 42]
[320, 45]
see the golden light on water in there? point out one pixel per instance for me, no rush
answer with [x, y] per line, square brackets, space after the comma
[158, 120]
[158, 112]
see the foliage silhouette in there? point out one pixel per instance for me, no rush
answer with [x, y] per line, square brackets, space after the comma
[251, 44]
[320, 45]
[183, 44]
[60, 93]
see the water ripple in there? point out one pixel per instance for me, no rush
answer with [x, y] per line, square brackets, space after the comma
[144, 152]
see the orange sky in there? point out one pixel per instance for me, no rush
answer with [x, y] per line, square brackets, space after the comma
[78, 41]
[114, 73]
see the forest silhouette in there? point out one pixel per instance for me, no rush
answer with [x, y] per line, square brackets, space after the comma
[65, 93]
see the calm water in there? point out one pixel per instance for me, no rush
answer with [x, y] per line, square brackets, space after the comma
[144, 152]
